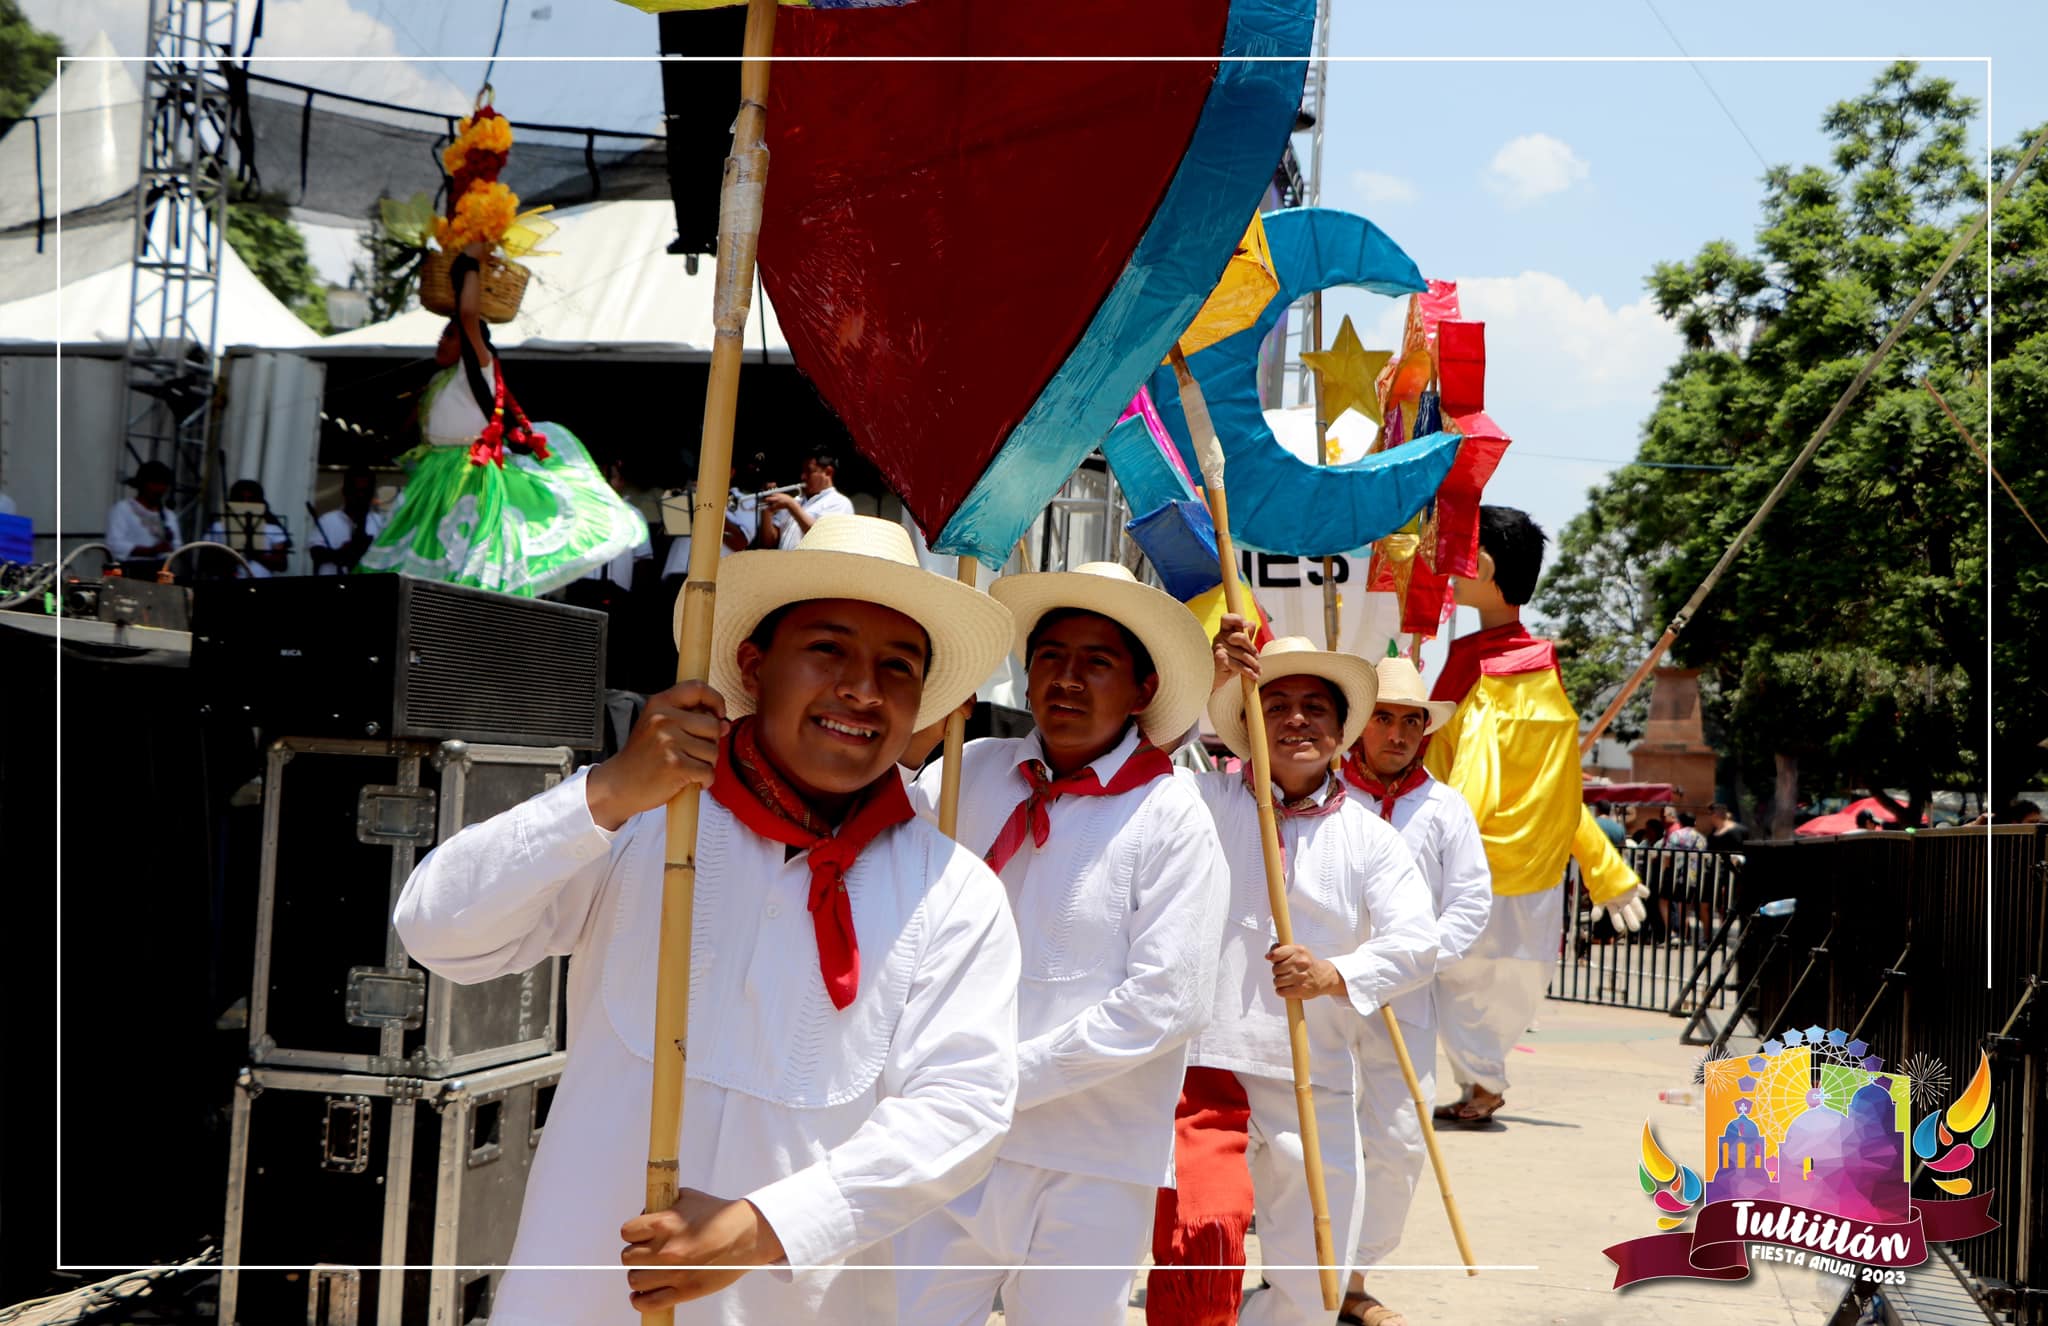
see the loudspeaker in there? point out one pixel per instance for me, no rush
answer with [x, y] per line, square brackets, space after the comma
[397, 658]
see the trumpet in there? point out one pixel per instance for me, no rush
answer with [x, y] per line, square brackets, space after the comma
[733, 503]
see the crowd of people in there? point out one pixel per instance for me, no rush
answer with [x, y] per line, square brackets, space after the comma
[927, 1072]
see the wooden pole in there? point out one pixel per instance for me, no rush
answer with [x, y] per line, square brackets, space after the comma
[969, 574]
[1827, 425]
[739, 231]
[1209, 450]
[1323, 458]
[1436, 1157]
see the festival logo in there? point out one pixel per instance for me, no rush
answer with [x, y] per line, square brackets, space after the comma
[1808, 1162]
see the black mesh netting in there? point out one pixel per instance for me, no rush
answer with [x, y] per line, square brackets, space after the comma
[333, 156]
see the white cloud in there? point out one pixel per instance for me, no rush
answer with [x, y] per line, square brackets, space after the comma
[1548, 344]
[322, 27]
[290, 27]
[1533, 166]
[1377, 189]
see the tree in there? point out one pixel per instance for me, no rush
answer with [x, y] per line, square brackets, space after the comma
[28, 61]
[1848, 640]
[2019, 559]
[389, 266]
[261, 230]
[1598, 599]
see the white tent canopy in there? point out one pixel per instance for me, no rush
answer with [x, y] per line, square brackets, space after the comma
[610, 284]
[93, 306]
[100, 108]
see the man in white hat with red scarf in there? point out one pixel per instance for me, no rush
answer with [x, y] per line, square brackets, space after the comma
[1364, 933]
[1116, 880]
[1384, 770]
[852, 1037]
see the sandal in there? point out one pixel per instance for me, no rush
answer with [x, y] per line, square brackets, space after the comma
[1471, 1112]
[1449, 1113]
[1375, 1312]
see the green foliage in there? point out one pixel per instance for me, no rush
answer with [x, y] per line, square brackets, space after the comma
[1851, 633]
[388, 269]
[2019, 557]
[261, 230]
[28, 61]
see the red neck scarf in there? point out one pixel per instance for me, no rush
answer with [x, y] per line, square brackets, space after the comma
[762, 800]
[1032, 815]
[1365, 780]
[1507, 650]
[1308, 808]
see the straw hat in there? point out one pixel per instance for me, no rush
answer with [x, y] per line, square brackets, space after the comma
[1401, 684]
[857, 557]
[1297, 656]
[1162, 623]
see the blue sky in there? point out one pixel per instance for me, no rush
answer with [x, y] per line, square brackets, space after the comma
[1548, 190]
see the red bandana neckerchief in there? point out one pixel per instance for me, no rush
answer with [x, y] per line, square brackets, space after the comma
[1307, 808]
[1032, 815]
[1370, 783]
[762, 800]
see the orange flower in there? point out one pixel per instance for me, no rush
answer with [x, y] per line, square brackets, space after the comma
[482, 216]
[477, 134]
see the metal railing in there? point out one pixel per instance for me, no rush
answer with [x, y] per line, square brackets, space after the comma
[1681, 960]
[1932, 947]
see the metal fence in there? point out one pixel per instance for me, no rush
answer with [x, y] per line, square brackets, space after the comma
[1679, 962]
[1932, 947]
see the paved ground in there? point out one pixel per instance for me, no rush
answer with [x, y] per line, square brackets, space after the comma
[1553, 1181]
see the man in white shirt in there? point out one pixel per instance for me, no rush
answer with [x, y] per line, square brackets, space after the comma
[343, 535]
[741, 521]
[1384, 769]
[852, 1036]
[1364, 932]
[788, 517]
[141, 526]
[1113, 873]
[261, 539]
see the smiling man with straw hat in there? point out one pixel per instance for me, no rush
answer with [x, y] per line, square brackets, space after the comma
[1115, 876]
[1364, 932]
[1384, 769]
[852, 1043]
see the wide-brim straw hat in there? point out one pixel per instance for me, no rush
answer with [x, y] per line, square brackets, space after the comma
[1162, 623]
[1297, 656]
[870, 560]
[1401, 684]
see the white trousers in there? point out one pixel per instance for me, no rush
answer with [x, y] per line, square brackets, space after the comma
[1483, 1005]
[1286, 1225]
[1390, 1130]
[1059, 1225]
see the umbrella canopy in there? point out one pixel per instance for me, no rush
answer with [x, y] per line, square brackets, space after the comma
[977, 262]
[1844, 820]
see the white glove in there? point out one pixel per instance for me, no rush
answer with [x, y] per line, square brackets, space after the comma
[1626, 912]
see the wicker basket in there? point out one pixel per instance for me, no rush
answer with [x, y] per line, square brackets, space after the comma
[504, 283]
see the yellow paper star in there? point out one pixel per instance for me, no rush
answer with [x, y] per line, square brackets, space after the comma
[1345, 372]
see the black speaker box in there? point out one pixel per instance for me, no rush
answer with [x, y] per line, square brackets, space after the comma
[391, 656]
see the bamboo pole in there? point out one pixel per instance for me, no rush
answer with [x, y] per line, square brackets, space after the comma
[969, 574]
[1436, 1157]
[1209, 451]
[739, 231]
[1827, 425]
[1323, 458]
[1979, 453]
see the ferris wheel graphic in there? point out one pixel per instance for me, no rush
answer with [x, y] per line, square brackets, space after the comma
[1798, 1070]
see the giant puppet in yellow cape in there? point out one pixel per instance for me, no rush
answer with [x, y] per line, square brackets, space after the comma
[1511, 749]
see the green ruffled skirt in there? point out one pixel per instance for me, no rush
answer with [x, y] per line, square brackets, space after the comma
[530, 527]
